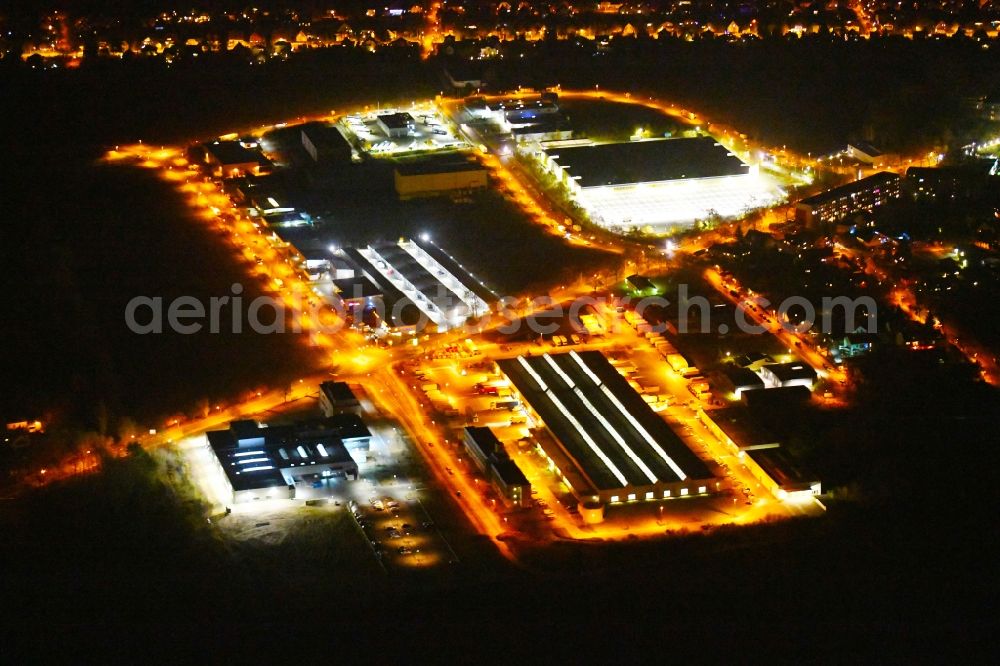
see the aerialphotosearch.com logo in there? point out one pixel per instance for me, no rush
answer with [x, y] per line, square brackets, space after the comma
[269, 315]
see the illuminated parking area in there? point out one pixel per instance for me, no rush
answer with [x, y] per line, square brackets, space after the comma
[606, 431]
[391, 131]
[677, 202]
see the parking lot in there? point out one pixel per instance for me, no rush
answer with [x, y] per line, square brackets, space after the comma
[398, 528]
[429, 131]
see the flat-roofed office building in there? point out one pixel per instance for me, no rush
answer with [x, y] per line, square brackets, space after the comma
[859, 196]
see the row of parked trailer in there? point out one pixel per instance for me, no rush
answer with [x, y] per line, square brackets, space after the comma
[697, 385]
[663, 346]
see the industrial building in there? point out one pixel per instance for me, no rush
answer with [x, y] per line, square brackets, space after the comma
[658, 182]
[441, 290]
[734, 427]
[740, 380]
[358, 290]
[554, 130]
[761, 453]
[865, 152]
[788, 374]
[838, 203]
[325, 143]
[607, 444]
[231, 159]
[317, 264]
[364, 301]
[437, 176]
[539, 120]
[492, 460]
[254, 191]
[337, 398]
[422, 129]
[783, 477]
[266, 197]
[403, 285]
[395, 125]
[511, 113]
[852, 345]
[526, 120]
[276, 213]
[322, 264]
[290, 461]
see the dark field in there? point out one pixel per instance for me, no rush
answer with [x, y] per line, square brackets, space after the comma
[609, 121]
[886, 575]
[89, 239]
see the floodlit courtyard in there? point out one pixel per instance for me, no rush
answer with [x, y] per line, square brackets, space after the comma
[416, 129]
[677, 202]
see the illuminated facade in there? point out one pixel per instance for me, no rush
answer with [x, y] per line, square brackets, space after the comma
[230, 159]
[777, 375]
[777, 472]
[438, 177]
[492, 460]
[659, 183]
[395, 124]
[258, 462]
[838, 203]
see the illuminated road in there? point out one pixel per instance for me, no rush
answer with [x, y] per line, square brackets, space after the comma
[797, 344]
[858, 7]
[431, 36]
[393, 396]
[906, 300]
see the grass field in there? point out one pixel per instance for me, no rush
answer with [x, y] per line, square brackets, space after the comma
[611, 121]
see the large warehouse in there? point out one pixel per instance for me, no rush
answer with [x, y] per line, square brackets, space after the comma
[659, 182]
[609, 446]
[438, 176]
[447, 295]
[290, 461]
